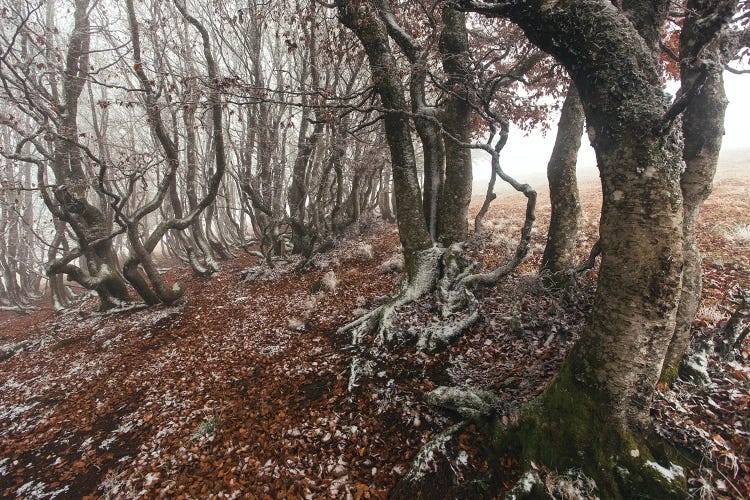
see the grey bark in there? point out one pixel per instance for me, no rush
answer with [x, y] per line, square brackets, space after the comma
[560, 251]
[621, 351]
[703, 129]
[456, 118]
[368, 27]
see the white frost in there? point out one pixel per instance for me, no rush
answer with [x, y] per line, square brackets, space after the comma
[329, 281]
[670, 474]
[528, 481]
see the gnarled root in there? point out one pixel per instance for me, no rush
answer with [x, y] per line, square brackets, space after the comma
[432, 270]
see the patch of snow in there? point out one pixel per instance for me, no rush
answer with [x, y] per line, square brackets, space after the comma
[463, 458]
[86, 444]
[670, 474]
[528, 480]
[14, 412]
[104, 445]
[36, 489]
[697, 366]
[151, 479]
[11, 383]
[296, 324]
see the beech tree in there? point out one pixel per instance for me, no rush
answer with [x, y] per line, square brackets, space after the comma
[595, 413]
[560, 250]
[701, 65]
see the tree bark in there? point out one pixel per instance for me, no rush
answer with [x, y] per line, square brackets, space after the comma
[703, 129]
[366, 25]
[456, 120]
[609, 378]
[559, 253]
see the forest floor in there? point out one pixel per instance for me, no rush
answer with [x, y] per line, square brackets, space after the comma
[242, 391]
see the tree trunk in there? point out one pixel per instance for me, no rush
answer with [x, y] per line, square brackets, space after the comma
[559, 254]
[607, 382]
[433, 166]
[366, 25]
[702, 128]
[456, 119]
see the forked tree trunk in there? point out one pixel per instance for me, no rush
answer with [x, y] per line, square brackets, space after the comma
[623, 347]
[433, 158]
[88, 222]
[363, 20]
[595, 414]
[559, 253]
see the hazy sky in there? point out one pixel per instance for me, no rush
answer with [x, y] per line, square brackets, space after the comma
[527, 155]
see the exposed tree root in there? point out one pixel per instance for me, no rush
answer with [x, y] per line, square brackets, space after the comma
[471, 403]
[426, 455]
[448, 274]
[433, 270]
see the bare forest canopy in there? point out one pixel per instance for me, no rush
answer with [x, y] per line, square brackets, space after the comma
[140, 135]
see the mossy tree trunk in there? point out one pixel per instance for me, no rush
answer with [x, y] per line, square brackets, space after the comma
[608, 380]
[559, 253]
[622, 349]
[703, 129]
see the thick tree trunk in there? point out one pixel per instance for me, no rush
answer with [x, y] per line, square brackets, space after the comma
[606, 384]
[456, 119]
[559, 254]
[702, 128]
[433, 157]
[621, 352]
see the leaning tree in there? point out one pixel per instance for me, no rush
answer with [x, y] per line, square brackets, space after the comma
[701, 66]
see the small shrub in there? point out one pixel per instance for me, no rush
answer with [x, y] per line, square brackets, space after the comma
[207, 428]
[328, 282]
[364, 252]
[296, 324]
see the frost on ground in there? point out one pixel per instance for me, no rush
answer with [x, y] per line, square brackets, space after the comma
[739, 234]
[121, 401]
[669, 473]
[394, 264]
[329, 281]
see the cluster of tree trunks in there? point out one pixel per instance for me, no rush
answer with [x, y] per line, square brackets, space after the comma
[293, 152]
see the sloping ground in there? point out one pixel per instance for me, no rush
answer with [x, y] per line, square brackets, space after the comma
[242, 392]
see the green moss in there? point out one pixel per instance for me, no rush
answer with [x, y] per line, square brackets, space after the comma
[569, 428]
[669, 374]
